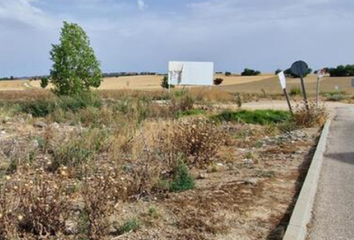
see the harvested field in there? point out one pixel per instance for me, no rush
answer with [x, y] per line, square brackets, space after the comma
[142, 82]
[272, 86]
[263, 84]
[14, 85]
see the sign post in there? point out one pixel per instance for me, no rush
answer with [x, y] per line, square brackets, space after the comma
[320, 74]
[282, 80]
[300, 68]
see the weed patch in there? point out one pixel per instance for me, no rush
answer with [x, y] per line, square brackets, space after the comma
[261, 117]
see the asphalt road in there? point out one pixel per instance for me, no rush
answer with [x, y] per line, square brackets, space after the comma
[334, 203]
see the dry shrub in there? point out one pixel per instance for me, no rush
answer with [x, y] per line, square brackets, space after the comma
[33, 203]
[100, 192]
[198, 140]
[143, 175]
[310, 118]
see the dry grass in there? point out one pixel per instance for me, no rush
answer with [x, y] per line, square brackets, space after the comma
[271, 85]
[149, 83]
[98, 168]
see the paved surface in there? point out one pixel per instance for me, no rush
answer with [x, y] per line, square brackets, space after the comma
[334, 203]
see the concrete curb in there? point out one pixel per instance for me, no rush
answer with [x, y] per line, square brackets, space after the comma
[297, 228]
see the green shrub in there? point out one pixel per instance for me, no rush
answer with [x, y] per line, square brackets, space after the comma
[295, 91]
[335, 98]
[129, 226]
[261, 117]
[39, 108]
[80, 150]
[44, 82]
[164, 83]
[182, 180]
[44, 107]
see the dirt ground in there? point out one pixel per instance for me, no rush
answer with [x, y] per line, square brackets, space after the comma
[248, 195]
[249, 199]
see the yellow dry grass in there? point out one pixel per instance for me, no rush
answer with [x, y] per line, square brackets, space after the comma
[13, 85]
[271, 85]
[267, 83]
[154, 82]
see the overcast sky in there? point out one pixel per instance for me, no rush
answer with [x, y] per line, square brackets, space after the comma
[143, 35]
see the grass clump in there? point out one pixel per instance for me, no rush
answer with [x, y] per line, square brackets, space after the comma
[129, 226]
[182, 180]
[309, 118]
[45, 106]
[261, 117]
[295, 91]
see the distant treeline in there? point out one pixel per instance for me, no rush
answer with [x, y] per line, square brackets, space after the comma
[341, 71]
[113, 74]
[127, 74]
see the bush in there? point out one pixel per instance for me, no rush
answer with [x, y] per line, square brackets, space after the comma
[227, 74]
[79, 150]
[250, 72]
[129, 226]
[295, 91]
[238, 100]
[44, 82]
[261, 117]
[33, 204]
[44, 107]
[198, 140]
[311, 118]
[40, 107]
[218, 81]
[182, 180]
[182, 103]
[164, 83]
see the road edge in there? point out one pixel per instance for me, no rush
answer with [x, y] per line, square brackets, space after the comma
[302, 214]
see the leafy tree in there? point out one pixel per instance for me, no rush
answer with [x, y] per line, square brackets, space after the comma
[164, 83]
[75, 67]
[44, 82]
[227, 74]
[342, 71]
[250, 72]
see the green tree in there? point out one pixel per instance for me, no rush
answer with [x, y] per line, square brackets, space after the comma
[250, 72]
[75, 68]
[164, 83]
[44, 82]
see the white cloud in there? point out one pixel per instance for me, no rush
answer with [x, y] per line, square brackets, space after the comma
[141, 5]
[26, 12]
